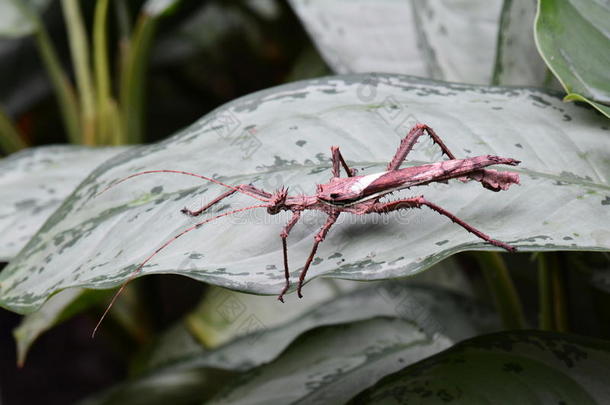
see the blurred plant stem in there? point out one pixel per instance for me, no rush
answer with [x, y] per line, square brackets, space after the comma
[10, 139]
[61, 85]
[80, 60]
[551, 294]
[545, 294]
[502, 288]
[133, 74]
[108, 127]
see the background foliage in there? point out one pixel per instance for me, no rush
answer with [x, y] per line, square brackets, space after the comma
[115, 73]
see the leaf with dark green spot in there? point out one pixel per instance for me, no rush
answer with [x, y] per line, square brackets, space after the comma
[573, 37]
[522, 367]
[97, 242]
[34, 183]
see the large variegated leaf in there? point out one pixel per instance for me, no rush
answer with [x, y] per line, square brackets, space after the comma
[281, 137]
[329, 365]
[431, 38]
[222, 314]
[573, 37]
[441, 317]
[524, 367]
[518, 62]
[34, 183]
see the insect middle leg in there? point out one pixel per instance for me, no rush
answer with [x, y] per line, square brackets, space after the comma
[417, 202]
[284, 234]
[338, 161]
[332, 218]
[407, 143]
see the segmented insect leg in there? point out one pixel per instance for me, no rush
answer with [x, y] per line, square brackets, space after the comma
[338, 161]
[137, 271]
[417, 202]
[284, 234]
[317, 239]
[246, 188]
[407, 143]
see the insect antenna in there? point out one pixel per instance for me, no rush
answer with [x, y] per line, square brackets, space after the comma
[163, 246]
[185, 173]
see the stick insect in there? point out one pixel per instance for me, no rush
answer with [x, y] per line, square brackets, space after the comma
[354, 194]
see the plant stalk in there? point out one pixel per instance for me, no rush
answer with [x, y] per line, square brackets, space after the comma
[10, 139]
[545, 294]
[64, 92]
[559, 295]
[502, 287]
[107, 131]
[133, 81]
[80, 60]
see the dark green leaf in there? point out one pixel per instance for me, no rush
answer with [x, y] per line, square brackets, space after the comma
[524, 367]
[573, 37]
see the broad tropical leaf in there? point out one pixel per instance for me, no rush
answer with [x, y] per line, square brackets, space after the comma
[34, 183]
[573, 37]
[436, 39]
[518, 62]
[282, 136]
[441, 317]
[524, 367]
[328, 365]
[222, 313]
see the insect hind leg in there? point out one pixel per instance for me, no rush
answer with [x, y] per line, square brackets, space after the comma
[409, 141]
[417, 202]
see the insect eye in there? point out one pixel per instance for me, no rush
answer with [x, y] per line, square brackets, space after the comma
[334, 195]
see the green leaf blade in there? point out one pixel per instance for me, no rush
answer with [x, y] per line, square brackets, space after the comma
[282, 136]
[573, 37]
[526, 367]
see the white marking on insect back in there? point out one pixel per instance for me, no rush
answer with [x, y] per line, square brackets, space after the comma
[365, 181]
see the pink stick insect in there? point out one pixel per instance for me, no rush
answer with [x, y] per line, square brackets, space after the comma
[354, 194]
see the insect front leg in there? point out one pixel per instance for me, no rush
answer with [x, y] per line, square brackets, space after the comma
[338, 161]
[332, 218]
[284, 234]
[208, 205]
[407, 143]
[417, 202]
[242, 187]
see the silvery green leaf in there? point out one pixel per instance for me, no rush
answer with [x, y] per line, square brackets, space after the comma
[435, 310]
[222, 314]
[432, 38]
[282, 137]
[518, 62]
[328, 365]
[34, 183]
[520, 367]
[436, 315]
